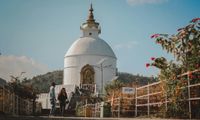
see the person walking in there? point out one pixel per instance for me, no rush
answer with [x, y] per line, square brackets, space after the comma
[62, 97]
[52, 98]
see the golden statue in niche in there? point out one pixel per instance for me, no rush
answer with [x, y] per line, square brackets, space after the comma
[87, 74]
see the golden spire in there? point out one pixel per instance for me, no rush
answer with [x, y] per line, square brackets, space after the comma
[91, 21]
[91, 16]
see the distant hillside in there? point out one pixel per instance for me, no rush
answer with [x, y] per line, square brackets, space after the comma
[130, 78]
[43, 82]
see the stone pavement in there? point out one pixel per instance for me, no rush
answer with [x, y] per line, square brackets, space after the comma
[71, 118]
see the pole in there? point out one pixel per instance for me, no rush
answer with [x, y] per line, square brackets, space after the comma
[95, 110]
[136, 86]
[17, 106]
[102, 78]
[165, 101]
[47, 102]
[189, 102]
[119, 105]
[148, 99]
[14, 104]
[3, 98]
[14, 107]
[85, 108]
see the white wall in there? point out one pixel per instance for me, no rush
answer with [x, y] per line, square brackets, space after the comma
[74, 64]
[44, 98]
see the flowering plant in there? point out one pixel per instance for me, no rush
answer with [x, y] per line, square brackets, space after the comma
[185, 46]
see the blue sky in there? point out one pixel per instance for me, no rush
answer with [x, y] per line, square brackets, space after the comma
[43, 30]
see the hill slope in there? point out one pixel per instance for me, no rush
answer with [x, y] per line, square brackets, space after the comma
[43, 82]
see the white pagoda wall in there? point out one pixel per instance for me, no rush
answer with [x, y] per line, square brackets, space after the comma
[74, 64]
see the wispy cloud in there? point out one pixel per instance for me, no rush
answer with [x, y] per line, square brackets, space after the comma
[127, 45]
[140, 2]
[15, 65]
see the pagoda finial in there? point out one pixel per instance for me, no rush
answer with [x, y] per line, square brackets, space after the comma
[91, 16]
[91, 23]
[91, 9]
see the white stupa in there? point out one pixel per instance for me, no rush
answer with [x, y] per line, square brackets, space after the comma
[89, 60]
[89, 63]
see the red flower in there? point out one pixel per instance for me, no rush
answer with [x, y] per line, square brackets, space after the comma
[153, 58]
[147, 65]
[197, 65]
[190, 75]
[155, 35]
[195, 19]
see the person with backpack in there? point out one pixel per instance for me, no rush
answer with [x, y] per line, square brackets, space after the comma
[63, 100]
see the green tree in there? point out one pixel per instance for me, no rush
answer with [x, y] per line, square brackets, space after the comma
[185, 46]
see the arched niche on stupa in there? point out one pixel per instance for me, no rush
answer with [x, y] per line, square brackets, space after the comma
[87, 75]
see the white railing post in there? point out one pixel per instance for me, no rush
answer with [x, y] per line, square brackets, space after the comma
[119, 106]
[189, 102]
[102, 110]
[95, 110]
[148, 107]
[12, 103]
[85, 107]
[136, 101]
[95, 88]
[3, 98]
[166, 101]
[17, 105]
[47, 103]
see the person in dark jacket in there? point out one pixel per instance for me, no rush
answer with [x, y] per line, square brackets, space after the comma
[63, 100]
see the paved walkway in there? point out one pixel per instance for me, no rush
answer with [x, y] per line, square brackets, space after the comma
[73, 118]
